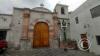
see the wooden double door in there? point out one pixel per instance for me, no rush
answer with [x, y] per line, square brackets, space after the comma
[41, 35]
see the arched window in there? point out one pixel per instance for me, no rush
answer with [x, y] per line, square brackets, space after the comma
[62, 10]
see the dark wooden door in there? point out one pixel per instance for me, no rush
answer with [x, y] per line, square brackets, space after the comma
[41, 35]
[85, 41]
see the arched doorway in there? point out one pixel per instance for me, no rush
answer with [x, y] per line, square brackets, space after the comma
[41, 35]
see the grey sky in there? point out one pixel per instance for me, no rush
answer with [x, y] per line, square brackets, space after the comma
[6, 6]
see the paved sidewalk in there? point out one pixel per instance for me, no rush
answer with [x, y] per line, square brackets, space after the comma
[47, 52]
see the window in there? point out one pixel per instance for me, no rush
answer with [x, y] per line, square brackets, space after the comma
[95, 12]
[3, 35]
[76, 19]
[62, 10]
[98, 39]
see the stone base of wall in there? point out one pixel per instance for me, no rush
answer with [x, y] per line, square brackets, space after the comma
[27, 44]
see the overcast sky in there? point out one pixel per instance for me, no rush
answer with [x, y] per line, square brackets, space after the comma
[6, 6]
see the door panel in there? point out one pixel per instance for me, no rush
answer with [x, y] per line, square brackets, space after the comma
[41, 35]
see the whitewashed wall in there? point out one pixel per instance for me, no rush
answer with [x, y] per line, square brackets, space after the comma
[16, 28]
[5, 21]
[85, 18]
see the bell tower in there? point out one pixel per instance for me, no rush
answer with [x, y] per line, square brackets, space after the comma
[64, 25]
[61, 10]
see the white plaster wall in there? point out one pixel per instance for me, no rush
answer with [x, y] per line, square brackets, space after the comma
[16, 29]
[5, 24]
[84, 15]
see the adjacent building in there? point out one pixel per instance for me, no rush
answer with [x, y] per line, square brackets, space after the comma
[85, 24]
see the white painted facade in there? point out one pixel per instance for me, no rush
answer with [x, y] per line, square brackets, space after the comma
[86, 24]
[5, 21]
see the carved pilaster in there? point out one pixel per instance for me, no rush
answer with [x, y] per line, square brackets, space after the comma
[25, 26]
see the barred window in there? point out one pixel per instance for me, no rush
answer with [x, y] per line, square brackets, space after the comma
[95, 12]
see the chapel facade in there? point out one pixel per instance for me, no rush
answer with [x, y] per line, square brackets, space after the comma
[37, 27]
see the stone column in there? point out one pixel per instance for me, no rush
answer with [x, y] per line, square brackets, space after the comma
[56, 32]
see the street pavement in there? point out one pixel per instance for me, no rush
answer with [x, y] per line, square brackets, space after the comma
[46, 52]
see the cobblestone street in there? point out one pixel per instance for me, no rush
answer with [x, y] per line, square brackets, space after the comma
[47, 52]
